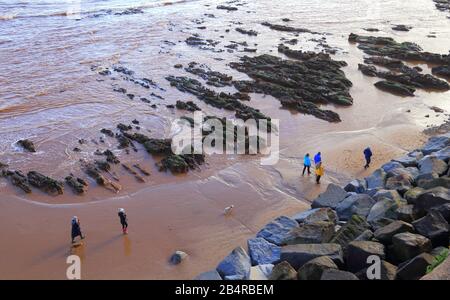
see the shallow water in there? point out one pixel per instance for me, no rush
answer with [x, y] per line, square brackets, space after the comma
[50, 94]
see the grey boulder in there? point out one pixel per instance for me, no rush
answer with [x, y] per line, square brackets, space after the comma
[298, 255]
[385, 234]
[263, 252]
[311, 233]
[359, 204]
[330, 198]
[278, 230]
[434, 227]
[332, 274]
[359, 251]
[435, 144]
[313, 269]
[316, 215]
[356, 186]
[431, 164]
[236, 264]
[415, 268]
[376, 180]
[408, 245]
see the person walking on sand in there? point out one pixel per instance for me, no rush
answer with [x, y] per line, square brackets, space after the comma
[368, 155]
[306, 164]
[76, 230]
[319, 172]
[318, 159]
[123, 220]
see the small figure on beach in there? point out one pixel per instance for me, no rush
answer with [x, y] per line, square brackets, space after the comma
[228, 210]
[368, 155]
[76, 230]
[123, 220]
[318, 159]
[306, 164]
[319, 172]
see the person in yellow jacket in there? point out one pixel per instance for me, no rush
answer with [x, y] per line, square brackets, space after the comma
[319, 172]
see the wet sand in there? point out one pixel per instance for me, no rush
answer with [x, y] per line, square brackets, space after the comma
[185, 212]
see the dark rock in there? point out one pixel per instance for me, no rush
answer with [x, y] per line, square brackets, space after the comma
[283, 271]
[390, 194]
[444, 210]
[312, 233]
[443, 71]
[350, 231]
[236, 263]
[406, 213]
[263, 252]
[111, 157]
[189, 106]
[390, 166]
[435, 182]
[384, 208]
[19, 179]
[358, 252]
[247, 32]
[356, 186]
[401, 28]
[388, 272]
[133, 172]
[158, 146]
[178, 257]
[359, 204]
[431, 198]
[408, 245]
[287, 28]
[395, 88]
[367, 235]
[45, 183]
[313, 269]
[27, 145]
[407, 161]
[434, 227]
[227, 8]
[78, 185]
[332, 274]
[412, 194]
[298, 255]
[278, 230]
[333, 195]
[415, 268]
[385, 234]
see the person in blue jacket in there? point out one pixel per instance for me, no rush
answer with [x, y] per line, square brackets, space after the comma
[368, 156]
[306, 164]
[318, 159]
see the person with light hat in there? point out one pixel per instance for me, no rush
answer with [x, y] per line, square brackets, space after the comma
[123, 220]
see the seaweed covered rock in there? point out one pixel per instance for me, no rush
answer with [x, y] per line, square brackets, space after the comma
[350, 231]
[395, 88]
[78, 185]
[27, 145]
[302, 85]
[45, 183]
[18, 179]
[313, 269]
[189, 106]
[283, 271]
[312, 233]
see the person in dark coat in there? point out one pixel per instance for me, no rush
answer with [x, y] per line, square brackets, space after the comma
[76, 229]
[368, 156]
[123, 220]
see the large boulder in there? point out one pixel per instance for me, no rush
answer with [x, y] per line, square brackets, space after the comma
[359, 204]
[332, 274]
[387, 167]
[376, 180]
[367, 235]
[356, 186]
[278, 230]
[435, 182]
[391, 194]
[236, 264]
[431, 164]
[406, 213]
[350, 231]
[444, 210]
[316, 215]
[415, 268]
[407, 161]
[431, 198]
[407, 245]
[412, 194]
[359, 251]
[388, 271]
[283, 271]
[210, 275]
[311, 233]
[385, 234]
[434, 227]
[436, 143]
[313, 269]
[298, 255]
[384, 208]
[401, 179]
[263, 252]
[333, 195]
[443, 154]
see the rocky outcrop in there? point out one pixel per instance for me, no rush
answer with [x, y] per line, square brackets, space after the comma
[387, 216]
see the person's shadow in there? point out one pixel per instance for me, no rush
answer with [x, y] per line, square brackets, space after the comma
[126, 245]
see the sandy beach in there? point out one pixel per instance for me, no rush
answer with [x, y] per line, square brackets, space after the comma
[51, 95]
